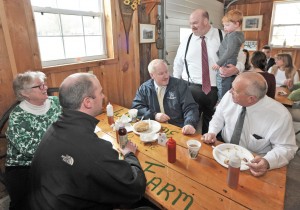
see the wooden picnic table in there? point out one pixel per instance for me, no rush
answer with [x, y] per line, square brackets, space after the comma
[200, 183]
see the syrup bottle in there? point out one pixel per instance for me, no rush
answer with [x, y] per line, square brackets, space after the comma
[110, 114]
[233, 171]
[123, 139]
[171, 144]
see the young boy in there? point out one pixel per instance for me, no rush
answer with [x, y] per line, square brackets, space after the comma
[229, 48]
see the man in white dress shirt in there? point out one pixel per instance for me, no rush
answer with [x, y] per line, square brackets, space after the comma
[268, 128]
[200, 25]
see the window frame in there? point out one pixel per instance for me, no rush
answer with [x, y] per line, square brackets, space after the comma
[272, 26]
[69, 61]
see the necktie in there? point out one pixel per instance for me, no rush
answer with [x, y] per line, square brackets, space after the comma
[160, 96]
[205, 69]
[235, 139]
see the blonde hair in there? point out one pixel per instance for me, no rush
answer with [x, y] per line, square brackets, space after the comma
[288, 67]
[234, 16]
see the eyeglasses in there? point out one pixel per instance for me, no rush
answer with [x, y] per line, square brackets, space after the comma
[41, 86]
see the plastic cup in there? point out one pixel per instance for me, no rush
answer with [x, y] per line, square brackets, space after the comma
[193, 148]
[133, 114]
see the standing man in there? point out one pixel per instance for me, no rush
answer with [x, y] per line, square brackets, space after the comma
[270, 61]
[73, 168]
[166, 99]
[247, 117]
[194, 61]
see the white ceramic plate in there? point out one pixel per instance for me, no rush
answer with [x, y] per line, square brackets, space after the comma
[153, 139]
[154, 127]
[229, 149]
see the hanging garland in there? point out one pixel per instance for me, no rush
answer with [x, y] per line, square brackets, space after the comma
[132, 3]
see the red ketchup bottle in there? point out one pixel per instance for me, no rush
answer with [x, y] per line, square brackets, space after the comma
[171, 144]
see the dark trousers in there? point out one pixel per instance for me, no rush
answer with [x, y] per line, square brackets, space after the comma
[17, 184]
[206, 103]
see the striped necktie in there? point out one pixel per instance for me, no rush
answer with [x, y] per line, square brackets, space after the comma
[206, 88]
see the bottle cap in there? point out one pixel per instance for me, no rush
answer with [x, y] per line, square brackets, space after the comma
[171, 141]
[235, 161]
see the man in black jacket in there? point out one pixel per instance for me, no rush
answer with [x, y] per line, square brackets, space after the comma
[73, 168]
[270, 61]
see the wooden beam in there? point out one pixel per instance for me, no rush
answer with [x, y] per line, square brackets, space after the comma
[7, 38]
[150, 4]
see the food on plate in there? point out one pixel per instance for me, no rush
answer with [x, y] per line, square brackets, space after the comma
[226, 161]
[141, 126]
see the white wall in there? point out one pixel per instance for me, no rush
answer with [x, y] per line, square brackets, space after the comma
[177, 14]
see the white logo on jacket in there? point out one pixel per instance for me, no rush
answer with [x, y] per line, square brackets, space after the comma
[68, 159]
[171, 95]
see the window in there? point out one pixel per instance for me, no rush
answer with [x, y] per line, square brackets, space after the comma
[69, 31]
[285, 27]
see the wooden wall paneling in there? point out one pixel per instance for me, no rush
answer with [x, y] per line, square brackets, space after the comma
[153, 19]
[145, 48]
[266, 11]
[7, 41]
[125, 74]
[7, 96]
[128, 68]
[110, 18]
[32, 35]
[19, 35]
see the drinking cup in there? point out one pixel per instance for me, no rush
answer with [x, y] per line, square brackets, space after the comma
[193, 148]
[133, 114]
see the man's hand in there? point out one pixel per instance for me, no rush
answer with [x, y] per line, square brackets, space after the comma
[258, 166]
[188, 129]
[228, 71]
[130, 147]
[209, 138]
[161, 117]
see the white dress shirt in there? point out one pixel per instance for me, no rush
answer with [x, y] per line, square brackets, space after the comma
[194, 57]
[268, 119]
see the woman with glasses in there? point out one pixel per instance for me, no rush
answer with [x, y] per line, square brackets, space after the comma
[284, 71]
[27, 124]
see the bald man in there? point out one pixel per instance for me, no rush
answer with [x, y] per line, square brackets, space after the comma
[268, 128]
[73, 168]
[191, 70]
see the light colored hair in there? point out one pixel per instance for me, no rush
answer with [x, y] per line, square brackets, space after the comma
[75, 88]
[152, 67]
[289, 69]
[235, 16]
[256, 84]
[24, 81]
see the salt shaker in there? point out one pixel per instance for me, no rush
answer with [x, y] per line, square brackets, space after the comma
[162, 139]
[233, 171]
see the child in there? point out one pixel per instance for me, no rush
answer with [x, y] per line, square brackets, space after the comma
[229, 48]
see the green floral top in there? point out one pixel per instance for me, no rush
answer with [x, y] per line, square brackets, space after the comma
[25, 131]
